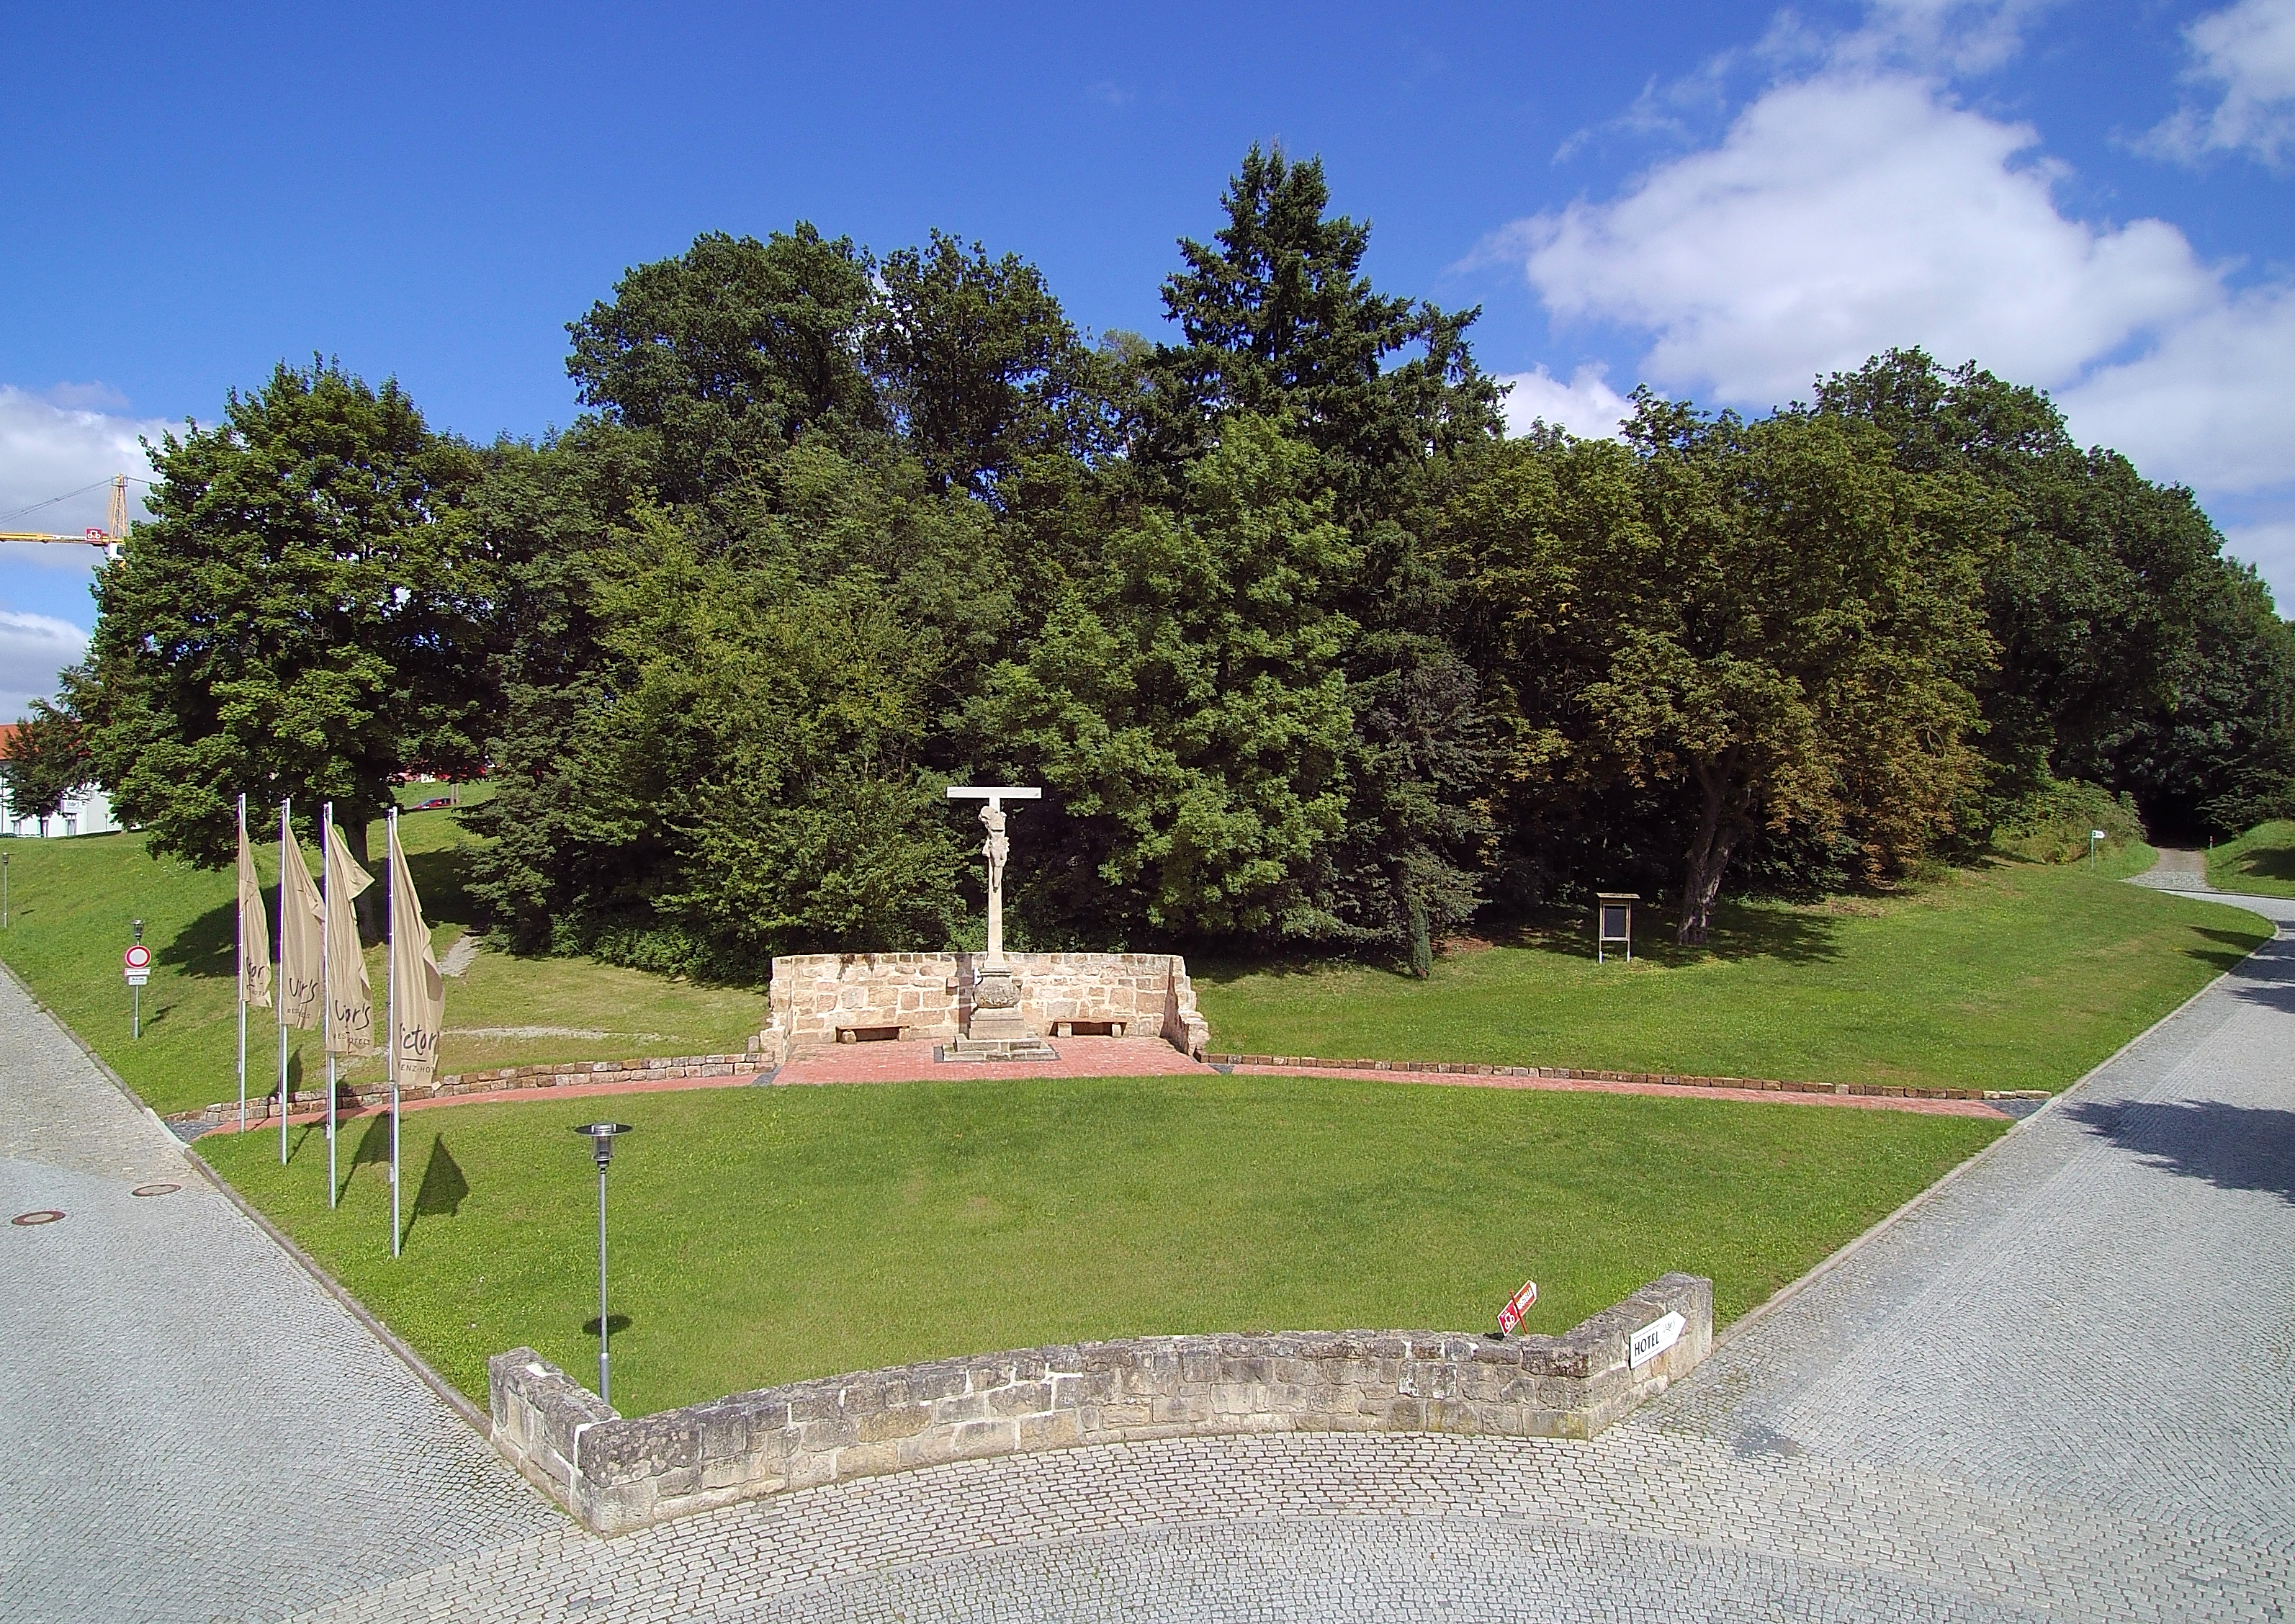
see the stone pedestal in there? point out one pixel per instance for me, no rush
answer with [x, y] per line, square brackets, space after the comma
[996, 1015]
[998, 1031]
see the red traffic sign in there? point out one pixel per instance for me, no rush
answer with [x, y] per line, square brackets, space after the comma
[1516, 1307]
[137, 958]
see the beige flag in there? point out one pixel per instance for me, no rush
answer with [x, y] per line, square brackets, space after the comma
[254, 929]
[302, 940]
[418, 991]
[350, 997]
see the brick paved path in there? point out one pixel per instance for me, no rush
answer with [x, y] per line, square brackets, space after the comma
[190, 1428]
[2061, 1389]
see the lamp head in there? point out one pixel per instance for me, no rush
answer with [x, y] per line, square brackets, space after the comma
[601, 1139]
[139, 929]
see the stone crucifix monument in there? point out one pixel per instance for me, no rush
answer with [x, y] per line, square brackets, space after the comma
[997, 1028]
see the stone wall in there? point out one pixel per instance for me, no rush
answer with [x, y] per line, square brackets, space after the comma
[617, 1474]
[823, 998]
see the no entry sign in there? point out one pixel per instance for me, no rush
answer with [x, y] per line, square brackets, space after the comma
[1517, 1305]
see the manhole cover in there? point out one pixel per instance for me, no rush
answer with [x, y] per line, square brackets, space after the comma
[155, 1189]
[46, 1215]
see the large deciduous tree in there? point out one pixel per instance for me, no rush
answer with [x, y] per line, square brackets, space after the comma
[300, 619]
[980, 366]
[726, 354]
[44, 762]
[1769, 625]
[2132, 652]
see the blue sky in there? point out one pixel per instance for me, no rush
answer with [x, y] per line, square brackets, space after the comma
[1721, 200]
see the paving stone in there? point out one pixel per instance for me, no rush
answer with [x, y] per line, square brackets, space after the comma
[194, 1430]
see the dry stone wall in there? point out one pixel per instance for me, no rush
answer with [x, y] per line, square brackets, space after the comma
[617, 1474]
[826, 998]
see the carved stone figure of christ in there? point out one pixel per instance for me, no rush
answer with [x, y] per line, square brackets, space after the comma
[996, 848]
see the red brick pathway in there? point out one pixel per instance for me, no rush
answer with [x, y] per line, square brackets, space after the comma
[1669, 1090]
[914, 1063]
[1105, 1058]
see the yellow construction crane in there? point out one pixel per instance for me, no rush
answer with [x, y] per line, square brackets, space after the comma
[108, 538]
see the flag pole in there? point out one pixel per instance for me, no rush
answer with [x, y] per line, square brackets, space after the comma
[242, 973]
[326, 980]
[286, 847]
[390, 1020]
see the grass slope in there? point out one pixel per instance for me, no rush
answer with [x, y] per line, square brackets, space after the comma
[2261, 861]
[764, 1234]
[2012, 975]
[71, 902]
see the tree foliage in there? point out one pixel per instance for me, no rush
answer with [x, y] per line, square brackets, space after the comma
[1742, 627]
[46, 762]
[296, 620]
[1303, 649]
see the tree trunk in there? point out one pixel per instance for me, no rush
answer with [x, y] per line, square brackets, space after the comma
[1718, 824]
[368, 907]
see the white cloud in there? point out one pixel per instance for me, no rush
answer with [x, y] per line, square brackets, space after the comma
[2270, 546]
[2212, 404]
[53, 443]
[1586, 405]
[1961, 36]
[1846, 212]
[2245, 56]
[33, 648]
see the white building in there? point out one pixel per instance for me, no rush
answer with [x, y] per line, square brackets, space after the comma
[87, 811]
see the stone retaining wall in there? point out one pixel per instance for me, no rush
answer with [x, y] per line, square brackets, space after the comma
[559, 1074]
[617, 1474]
[823, 998]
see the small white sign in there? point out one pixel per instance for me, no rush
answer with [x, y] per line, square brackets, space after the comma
[136, 978]
[1653, 1338]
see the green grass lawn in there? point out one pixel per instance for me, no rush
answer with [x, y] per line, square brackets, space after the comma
[2261, 861]
[71, 902]
[2012, 975]
[764, 1234]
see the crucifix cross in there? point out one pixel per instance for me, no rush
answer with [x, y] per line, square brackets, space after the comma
[996, 848]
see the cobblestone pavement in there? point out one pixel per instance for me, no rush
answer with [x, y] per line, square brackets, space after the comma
[2059, 1389]
[191, 1428]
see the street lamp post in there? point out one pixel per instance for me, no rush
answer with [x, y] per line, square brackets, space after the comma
[4, 890]
[602, 1136]
[138, 990]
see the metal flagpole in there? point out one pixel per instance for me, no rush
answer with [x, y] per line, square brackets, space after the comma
[326, 981]
[242, 978]
[391, 1021]
[286, 855]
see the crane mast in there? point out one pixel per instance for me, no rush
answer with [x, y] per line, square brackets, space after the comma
[109, 538]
